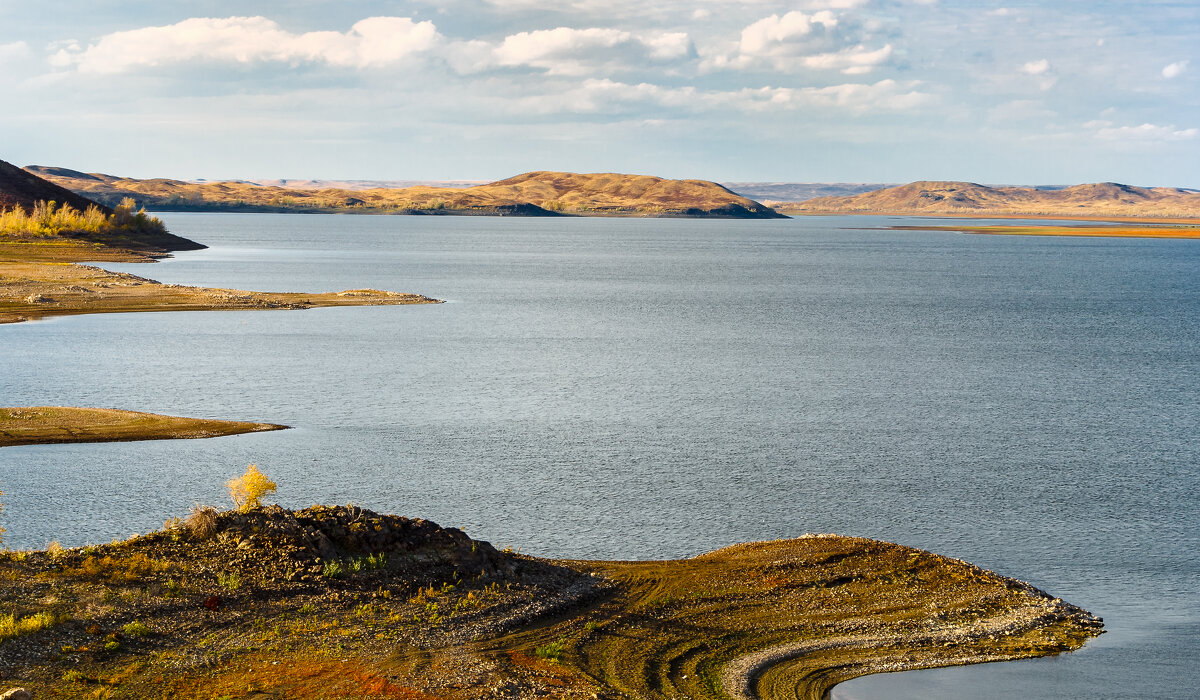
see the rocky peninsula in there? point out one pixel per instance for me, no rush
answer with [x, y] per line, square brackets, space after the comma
[344, 602]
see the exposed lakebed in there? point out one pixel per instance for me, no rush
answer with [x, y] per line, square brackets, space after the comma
[650, 388]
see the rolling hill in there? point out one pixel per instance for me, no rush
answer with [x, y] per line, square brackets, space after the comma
[20, 188]
[540, 193]
[1105, 199]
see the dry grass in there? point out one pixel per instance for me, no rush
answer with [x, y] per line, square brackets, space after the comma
[1086, 231]
[572, 193]
[46, 219]
[966, 199]
[201, 522]
[33, 425]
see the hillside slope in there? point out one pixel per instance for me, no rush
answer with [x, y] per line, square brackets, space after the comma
[971, 199]
[19, 188]
[540, 193]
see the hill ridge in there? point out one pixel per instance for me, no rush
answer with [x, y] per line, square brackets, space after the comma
[21, 188]
[958, 197]
[535, 193]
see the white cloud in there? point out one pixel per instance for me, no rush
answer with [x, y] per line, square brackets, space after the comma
[12, 51]
[605, 95]
[1143, 132]
[1036, 67]
[822, 40]
[375, 41]
[783, 35]
[1173, 70]
[569, 51]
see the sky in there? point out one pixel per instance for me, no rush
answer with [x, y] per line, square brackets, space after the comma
[751, 90]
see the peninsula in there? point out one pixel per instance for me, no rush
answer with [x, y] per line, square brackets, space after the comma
[41, 246]
[42, 425]
[343, 602]
[45, 230]
[541, 193]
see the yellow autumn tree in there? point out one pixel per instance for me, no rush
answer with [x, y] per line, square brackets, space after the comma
[247, 491]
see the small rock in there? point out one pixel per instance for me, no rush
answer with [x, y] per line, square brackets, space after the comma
[17, 694]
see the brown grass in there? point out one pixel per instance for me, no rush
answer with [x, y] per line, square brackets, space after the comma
[1085, 231]
[39, 425]
[595, 194]
[965, 199]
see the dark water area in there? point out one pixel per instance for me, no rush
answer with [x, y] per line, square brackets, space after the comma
[607, 388]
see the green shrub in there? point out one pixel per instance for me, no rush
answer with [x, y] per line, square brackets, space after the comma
[550, 652]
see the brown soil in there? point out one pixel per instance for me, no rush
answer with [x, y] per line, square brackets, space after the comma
[344, 603]
[40, 425]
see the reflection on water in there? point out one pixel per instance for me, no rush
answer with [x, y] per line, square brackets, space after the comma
[642, 388]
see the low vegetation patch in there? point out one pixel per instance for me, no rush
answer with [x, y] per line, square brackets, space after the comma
[47, 219]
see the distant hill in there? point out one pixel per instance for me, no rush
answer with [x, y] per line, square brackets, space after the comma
[19, 188]
[356, 185]
[971, 199]
[531, 194]
[767, 192]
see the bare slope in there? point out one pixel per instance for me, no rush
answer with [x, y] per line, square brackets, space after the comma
[970, 199]
[532, 194]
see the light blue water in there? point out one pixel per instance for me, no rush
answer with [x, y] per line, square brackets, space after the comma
[659, 388]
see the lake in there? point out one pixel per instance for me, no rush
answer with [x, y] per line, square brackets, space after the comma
[632, 388]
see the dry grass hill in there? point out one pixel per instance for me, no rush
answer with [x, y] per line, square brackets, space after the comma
[19, 188]
[1106, 199]
[531, 194]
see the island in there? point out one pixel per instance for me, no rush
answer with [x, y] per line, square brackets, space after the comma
[339, 601]
[42, 425]
[540, 193]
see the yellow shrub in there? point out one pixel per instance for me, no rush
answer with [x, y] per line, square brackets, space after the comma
[247, 492]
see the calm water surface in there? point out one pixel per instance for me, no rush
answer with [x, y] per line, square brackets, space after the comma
[659, 388]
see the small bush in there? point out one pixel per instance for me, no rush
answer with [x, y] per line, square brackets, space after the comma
[550, 652]
[135, 629]
[231, 580]
[333, 569]
[10, 626]
[247, 492]
[201, 522]
[73, 676]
